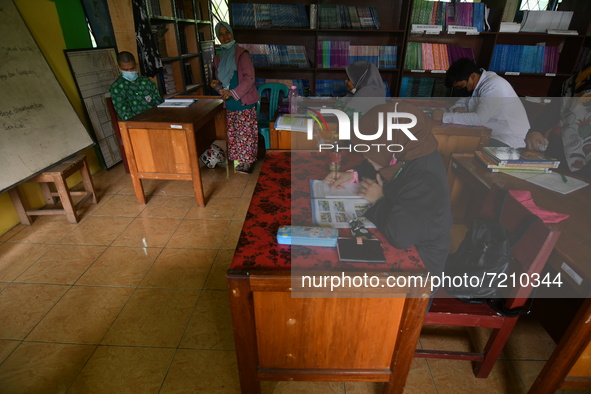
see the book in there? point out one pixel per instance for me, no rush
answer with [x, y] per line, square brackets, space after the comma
[336, 211]
[488, 162]
[554, 181]
[292, 122]
[307, 235]
[364, 251]
[176, 103]
[503, 156]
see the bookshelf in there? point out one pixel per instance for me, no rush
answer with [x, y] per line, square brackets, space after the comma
[181, 29]
[395, 29]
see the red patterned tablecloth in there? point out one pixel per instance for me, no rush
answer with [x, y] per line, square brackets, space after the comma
[282, 197]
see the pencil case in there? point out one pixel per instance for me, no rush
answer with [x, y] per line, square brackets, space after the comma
[307, 235]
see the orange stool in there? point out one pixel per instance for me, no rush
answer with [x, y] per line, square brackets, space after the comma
[57, 175]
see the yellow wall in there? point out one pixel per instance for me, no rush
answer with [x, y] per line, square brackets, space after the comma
[42, 19]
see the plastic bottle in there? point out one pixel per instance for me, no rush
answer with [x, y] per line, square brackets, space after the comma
[292, 97]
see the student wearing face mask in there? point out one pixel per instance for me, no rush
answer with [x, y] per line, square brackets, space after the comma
[235, 83]
[491, 102]
[132, 93]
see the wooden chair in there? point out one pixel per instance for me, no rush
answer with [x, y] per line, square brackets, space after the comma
[529, 256]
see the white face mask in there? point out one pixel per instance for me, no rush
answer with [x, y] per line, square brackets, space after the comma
[129, 75]
[228, 45]
[353, 90]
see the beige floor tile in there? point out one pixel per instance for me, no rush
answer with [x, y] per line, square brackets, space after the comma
[123, 370]
[528, 371]
[242, 209]
[233, 187]
[529, 341]
[455, 376]
[177, 188]
[232, 235]
[364, 387]
[3, 285]
[180, 269]
[216, 208]
[24, 305]
[435, 337]
[148, 232]
[15, 258]
[45, 229]
[95, 230]
[110, 182]
[120, 266]
[83, 315]
[43, 367]
[168, 207]
[153, 317]
[211, 324]
[419, 378]
[303, 388]
[88, 208]
[120, 205]
[7, 347]
[151, 187]
[202, 371]
[12, 232]
[199, 233]
[63, 264]
[216, 280]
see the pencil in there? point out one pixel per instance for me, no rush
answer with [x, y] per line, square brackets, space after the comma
[564, 178]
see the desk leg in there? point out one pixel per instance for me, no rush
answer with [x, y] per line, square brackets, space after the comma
[138, 188]
[198, 186]
[17, 200]
[243, 326]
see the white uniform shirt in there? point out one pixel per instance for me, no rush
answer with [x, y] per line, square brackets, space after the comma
[493, 104]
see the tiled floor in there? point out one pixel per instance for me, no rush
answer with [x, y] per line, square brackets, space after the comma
[132, 300]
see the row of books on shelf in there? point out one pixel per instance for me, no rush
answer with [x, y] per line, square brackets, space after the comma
[324, 16]
[505, 159]
[167, 79]
[525, 58]
[542, 21]
[423, 87]
[426, 12]
[270, 55]
[339, 54]
[323, 87]
[338, 16]
[430, 56]
[263, 16]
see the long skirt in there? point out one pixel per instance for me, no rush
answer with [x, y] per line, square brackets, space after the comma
[242, 132]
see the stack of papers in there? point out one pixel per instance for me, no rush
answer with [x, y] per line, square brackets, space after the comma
[292, 122]
[553, 181]
[176, 103]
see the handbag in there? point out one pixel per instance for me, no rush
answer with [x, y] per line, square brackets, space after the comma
[486, 251]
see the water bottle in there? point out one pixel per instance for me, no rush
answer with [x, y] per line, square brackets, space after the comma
[292, 97]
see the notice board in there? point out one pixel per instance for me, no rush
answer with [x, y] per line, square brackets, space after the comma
[38, 125]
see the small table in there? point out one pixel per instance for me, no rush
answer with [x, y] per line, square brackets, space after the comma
[165, 143]
[282, 334]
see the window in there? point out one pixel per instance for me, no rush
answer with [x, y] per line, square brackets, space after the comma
[219, 12]
[539, 5]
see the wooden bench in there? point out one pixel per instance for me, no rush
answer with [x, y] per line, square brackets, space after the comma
[57, 175]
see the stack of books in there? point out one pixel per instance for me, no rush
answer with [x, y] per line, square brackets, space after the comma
[502, 159]
[339, 54]
[428, 12]
[525, 58]
[431, 56]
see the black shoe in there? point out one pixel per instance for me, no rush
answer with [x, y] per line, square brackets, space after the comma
[244, 168]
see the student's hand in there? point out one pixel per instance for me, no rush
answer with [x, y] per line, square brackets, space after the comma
[341, 179]
[214, 83]
[536, 141]
[437, 114]
[371, 190]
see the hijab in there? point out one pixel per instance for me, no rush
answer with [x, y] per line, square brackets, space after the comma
[423, 146]
[369, 86]
[227, 65]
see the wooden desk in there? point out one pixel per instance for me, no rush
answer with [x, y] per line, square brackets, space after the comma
[165, 143]
[450, 138]
[570, 363]
[279, 336]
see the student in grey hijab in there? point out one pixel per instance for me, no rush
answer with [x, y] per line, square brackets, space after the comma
[366, 87]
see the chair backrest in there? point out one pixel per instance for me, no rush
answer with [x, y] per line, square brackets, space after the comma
[274, 90]
[532, 250]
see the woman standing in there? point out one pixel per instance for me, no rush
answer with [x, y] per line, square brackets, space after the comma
[365, 85]
[235, 83]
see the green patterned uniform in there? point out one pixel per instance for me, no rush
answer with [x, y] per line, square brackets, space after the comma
[132, 98]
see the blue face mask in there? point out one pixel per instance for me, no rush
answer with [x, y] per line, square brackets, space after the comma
[228, 45]
[129, 75]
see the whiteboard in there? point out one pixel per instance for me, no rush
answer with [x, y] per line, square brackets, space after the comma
[38, 125]
[94, 71]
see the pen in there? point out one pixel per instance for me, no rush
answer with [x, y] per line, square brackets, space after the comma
[564, 178]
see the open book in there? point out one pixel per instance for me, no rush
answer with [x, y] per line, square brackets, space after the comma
[177, 103]
[334, 208]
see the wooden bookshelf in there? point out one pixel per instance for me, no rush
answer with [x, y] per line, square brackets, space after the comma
[395, 18]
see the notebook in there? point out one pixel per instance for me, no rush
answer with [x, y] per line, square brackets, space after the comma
[369, 251]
